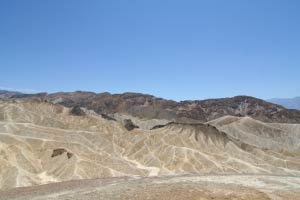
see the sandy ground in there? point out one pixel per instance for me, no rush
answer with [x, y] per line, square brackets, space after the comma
[190, 187]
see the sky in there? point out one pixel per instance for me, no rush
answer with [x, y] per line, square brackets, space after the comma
[175, 49]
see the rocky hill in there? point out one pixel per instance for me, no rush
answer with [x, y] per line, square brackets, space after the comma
[150, 107]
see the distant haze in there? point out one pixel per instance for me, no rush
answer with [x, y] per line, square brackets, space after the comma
[293, 103]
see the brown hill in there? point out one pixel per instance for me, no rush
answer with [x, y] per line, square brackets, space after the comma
[150, 107]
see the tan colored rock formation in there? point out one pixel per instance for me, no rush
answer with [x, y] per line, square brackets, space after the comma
[42, 143]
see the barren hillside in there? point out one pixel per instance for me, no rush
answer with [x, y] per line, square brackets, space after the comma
[42, 143]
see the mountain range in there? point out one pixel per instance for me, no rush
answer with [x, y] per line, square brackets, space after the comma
[290, 103]
[84, 145]
[151, 107]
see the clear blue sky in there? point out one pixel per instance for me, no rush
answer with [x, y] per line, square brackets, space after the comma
[188, 49]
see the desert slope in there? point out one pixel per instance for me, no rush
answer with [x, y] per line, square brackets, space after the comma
[274, 136]
[42, 143]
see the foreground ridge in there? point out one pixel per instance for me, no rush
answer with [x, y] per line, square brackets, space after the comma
[195, 187]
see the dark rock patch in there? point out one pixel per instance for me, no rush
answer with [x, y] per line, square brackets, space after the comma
[104, 116]
[129, 125]
[57, 152]
[60, 151]
[158, 126]
[69, 155]
[77, 111]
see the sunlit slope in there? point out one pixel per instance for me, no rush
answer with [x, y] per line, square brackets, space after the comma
[274, 136]
[41, 142]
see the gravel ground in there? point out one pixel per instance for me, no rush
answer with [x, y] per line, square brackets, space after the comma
[190, 187]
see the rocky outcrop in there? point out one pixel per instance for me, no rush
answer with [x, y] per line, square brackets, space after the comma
[77, 111]
[129, 125]
[60, 151]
